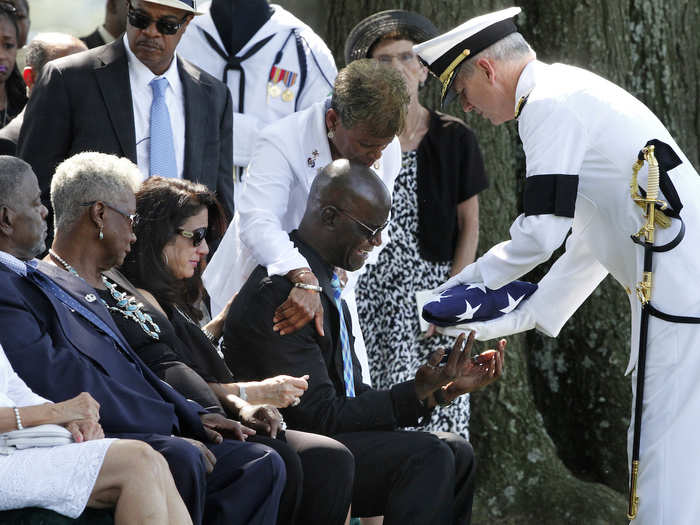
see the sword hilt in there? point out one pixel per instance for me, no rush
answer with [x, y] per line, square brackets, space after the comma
[633, 503]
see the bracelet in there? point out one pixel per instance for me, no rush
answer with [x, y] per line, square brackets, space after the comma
[210, 336]
[305, 286]
[440, 398]
[20, 426]
[241, 392]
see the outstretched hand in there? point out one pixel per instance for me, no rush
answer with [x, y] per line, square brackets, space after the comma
[483, 370]
[431, 375]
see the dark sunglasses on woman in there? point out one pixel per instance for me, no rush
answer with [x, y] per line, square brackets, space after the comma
[196, 236]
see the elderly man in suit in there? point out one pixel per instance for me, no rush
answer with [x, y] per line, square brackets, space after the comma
[409, 477]
[135, 98]
[62, 341]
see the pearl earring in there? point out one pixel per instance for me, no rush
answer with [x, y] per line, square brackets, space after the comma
[331, 134]
[101, 235]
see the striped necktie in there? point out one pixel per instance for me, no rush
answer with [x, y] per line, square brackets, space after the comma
[162, 160]
[344, 339]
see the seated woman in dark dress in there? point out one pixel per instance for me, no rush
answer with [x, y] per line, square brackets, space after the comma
[175, 220]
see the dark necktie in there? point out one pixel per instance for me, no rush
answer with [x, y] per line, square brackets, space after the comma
[348, 378]
[234, 62]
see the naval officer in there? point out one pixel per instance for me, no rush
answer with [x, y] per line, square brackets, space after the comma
[581, 135]
[272, 62]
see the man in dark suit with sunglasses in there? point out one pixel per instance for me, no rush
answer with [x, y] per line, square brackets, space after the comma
[134, 98]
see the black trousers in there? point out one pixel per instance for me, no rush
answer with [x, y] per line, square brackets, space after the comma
[319, 483]
[412, 477]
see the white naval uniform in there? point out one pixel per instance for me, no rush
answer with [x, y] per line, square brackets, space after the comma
[575, 123]
[260, 109]
[286, 159]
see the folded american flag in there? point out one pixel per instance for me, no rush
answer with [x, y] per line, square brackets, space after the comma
[475, 302]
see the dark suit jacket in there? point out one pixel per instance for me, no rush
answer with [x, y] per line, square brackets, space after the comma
[93, 40]
[254, 351]
[59, 354]
[9, 135]
[82, 102]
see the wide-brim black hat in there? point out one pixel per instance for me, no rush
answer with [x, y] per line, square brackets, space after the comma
[369, 31]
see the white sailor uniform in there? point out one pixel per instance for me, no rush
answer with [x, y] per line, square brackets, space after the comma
[285, 161]
[295, 61]
[581, 135]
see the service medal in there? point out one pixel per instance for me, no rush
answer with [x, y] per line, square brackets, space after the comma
[273, 90]
[287, 95]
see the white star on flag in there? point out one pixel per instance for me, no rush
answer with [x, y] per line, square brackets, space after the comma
[480, 286]
[441, 295]
[512, 304]
[468, 313]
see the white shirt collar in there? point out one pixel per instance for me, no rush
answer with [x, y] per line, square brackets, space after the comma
[526, 81]
[13, 263]
[143, 75]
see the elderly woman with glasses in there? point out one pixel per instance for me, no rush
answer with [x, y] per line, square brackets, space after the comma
[435, 210]
[359, 122]
[177, 219]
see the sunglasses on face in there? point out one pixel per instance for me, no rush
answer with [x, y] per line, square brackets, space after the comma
[196, 236]
[371, 233]
[133, 218]
[164, 26]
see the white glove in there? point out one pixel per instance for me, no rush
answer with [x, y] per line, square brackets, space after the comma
[517, 321]
[469, 274]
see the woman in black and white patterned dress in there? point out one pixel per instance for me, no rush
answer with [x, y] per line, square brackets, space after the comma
[434, 228]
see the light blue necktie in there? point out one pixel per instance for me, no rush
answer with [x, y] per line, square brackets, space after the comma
[162, 146]
[344, 339]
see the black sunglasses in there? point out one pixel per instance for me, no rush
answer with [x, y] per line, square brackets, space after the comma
[133, 218]
[196, 236]
[371, 233]
[163, 25]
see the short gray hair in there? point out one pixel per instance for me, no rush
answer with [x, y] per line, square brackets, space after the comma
[12, 172]
[87, 177]
[512, 47]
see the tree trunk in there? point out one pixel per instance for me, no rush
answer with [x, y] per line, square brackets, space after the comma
[550, 437]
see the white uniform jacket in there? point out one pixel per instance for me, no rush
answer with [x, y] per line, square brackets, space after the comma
[260, 109]
[581, 135]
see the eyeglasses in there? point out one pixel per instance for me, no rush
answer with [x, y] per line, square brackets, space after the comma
[133, 218]
[163, 25]
[371, 233]
[196, 236]
[405, 58]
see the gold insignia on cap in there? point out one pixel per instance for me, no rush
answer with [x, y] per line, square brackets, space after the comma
[447, 75]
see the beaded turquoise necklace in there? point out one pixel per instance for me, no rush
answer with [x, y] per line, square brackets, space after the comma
[126, 306]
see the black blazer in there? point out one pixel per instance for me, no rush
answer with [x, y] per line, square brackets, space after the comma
[59, 354]
[254, 351]
[82, 102]
[10, 134]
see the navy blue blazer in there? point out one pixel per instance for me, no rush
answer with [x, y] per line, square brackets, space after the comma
[59, 354]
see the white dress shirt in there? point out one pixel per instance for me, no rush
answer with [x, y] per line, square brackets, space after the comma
[142, 97]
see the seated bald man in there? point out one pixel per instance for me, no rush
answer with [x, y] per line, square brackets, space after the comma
[407, 476]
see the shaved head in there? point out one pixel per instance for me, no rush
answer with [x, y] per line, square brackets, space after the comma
[343, 182]
[347, 209]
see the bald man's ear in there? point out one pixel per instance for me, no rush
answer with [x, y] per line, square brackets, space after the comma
[328, 216]
[29, 76]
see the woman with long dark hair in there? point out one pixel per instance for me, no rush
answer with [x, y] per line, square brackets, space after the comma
[177, 219]
[13, 94]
